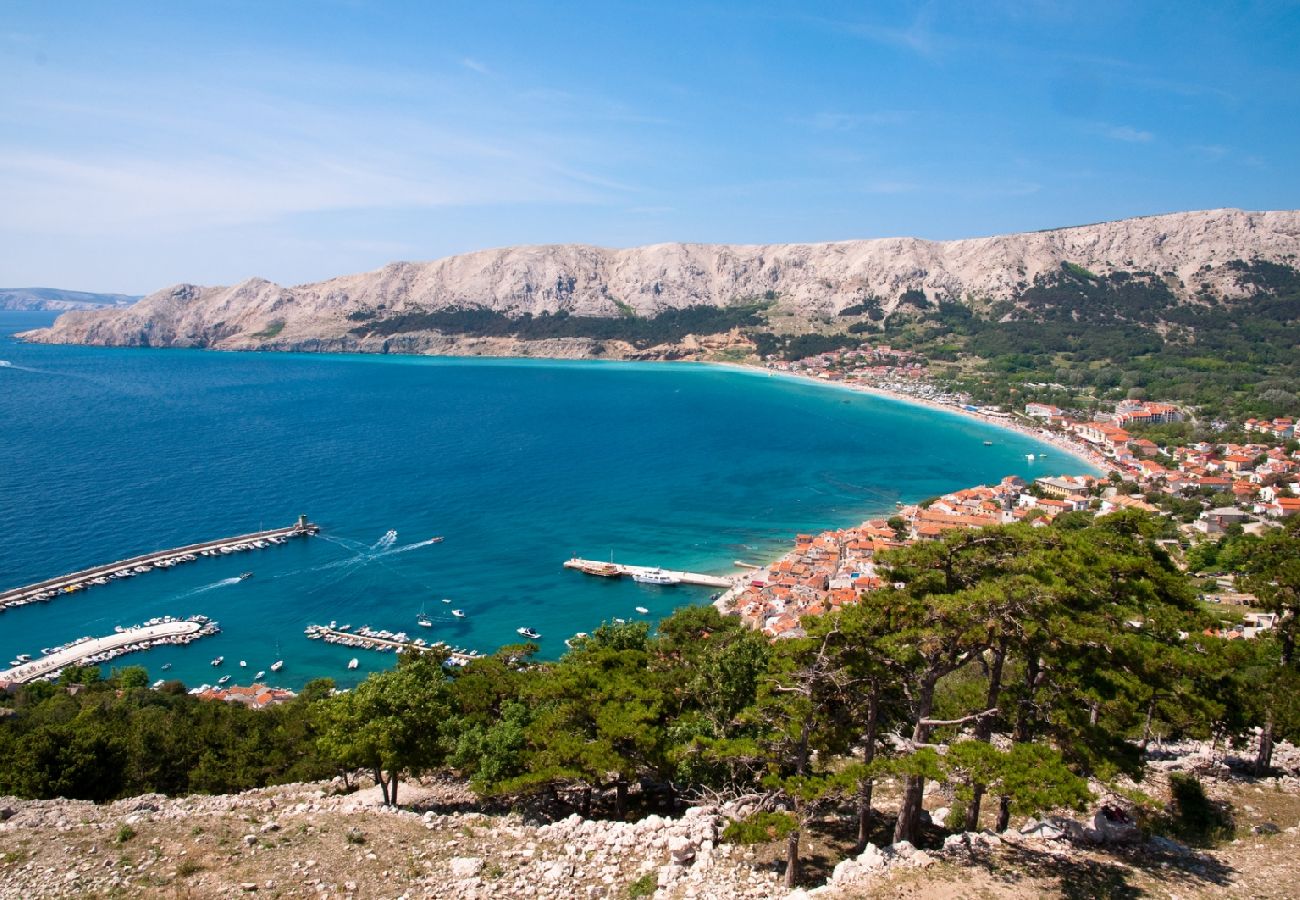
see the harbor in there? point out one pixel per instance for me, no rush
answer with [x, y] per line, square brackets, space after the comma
[45, 591]
[367, 638]
[647, 574]
[90, 651]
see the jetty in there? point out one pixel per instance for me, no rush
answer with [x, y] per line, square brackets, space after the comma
[618, 570]
[47, 590]
[89, 651]
[368, 638]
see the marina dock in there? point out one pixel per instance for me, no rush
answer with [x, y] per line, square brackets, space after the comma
[367, 638]
[139, 565]
[618, 570]
[88, 651]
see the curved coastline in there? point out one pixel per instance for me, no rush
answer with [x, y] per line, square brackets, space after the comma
[1094, 462]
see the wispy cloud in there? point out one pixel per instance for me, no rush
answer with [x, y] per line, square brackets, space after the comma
[891, 187]
[917, 35]
[474, 65]
[849, 121]
[165, 161]
[1126, 133]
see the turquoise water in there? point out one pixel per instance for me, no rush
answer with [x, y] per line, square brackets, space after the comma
[107, 453]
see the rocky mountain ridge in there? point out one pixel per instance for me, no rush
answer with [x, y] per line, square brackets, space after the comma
[579, 280]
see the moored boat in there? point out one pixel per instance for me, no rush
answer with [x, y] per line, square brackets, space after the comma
[656, 576]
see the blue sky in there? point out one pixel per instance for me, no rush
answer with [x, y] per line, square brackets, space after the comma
[143, 144]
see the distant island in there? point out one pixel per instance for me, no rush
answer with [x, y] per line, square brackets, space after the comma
[41, 298]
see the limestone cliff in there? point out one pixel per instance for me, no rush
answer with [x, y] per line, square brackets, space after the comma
[807, 279]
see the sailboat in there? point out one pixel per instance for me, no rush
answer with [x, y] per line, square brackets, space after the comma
[423, 619]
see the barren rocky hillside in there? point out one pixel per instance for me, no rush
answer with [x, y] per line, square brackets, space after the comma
[804, 279]
[318, 840]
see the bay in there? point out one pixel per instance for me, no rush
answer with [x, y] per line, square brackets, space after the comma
[519, 464]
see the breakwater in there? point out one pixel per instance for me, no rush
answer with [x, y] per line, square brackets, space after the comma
[90, 650]
[44, 591]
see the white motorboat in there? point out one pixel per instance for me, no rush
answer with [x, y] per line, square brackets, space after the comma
[353, 663]
[458, 613]
[642, 610]
[530, 633]
[656, 576]
[277, 665]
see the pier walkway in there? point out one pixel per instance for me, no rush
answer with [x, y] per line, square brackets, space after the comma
[617, 570]
[164, 632]
[372, 641]
[77, 581]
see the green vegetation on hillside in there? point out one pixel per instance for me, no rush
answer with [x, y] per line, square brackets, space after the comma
[1073, 644]
[669, 326]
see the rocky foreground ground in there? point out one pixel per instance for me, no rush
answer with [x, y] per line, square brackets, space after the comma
[316, 841]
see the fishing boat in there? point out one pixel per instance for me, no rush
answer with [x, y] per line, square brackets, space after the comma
[529, 633]
[656, 576]
[458, 613]
[353, 663]
[277, 665]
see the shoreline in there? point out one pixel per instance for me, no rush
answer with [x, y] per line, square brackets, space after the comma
[1056, 441]
[753, 370]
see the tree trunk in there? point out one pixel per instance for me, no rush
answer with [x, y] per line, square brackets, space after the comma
[867, 786]
[586, 802]
[392, 786]
[792, 858]
[1024, 728]
[1146, 729]
[1264, 758]
[1004, 814]
[984, 730]
[908, 826]
[620, 797]
[383, 785]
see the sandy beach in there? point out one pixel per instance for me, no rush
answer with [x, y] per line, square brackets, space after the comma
[1067, 447]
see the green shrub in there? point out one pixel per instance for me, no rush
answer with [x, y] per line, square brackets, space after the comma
[644, 886]
[1193, 816]
[760, 828]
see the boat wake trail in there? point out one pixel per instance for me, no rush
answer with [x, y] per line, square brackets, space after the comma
[208, 587]
[361, 558]
[410, 547]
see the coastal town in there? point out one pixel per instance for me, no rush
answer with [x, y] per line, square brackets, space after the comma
[1206, 489]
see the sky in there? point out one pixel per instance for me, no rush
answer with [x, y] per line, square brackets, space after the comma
[146, 144]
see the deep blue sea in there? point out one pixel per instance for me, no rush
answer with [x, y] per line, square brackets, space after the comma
[519, 464]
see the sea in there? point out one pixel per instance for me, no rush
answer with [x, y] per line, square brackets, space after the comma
[517, 464]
